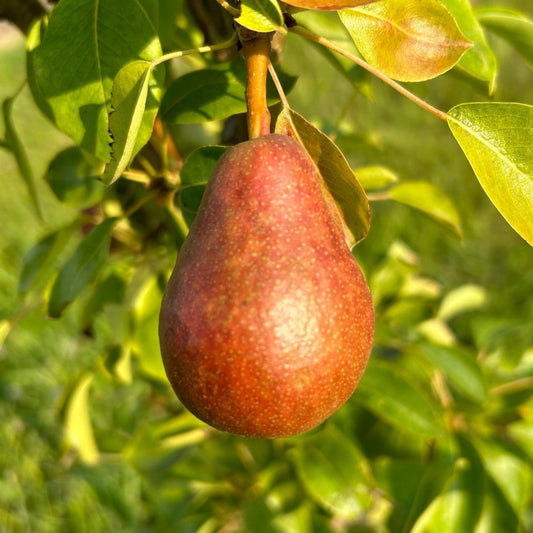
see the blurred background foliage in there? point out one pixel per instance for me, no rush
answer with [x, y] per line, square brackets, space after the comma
[436, 438]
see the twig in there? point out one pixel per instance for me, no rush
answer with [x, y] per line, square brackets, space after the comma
[233, 11]
[362, 63]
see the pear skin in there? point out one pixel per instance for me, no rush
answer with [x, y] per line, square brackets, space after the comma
[267, 322]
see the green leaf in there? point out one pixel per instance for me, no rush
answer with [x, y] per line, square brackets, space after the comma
[480, 60]
[40, 260]
[76, 419]
[18, 150]
[81, 269]
[375, 177]
[509, 471]
[110, 289]
[35, 35]
[460, 368]
[261, 16]
[392, 397]
[334, 472]
[195, 174]
[411, 484]
[430, 200]
[510, 25]
[85, 44]
[338, 177]
[459, 506]
[212, 94]
[117, 360]
[145, 339]
[328, 5]
[497, 138]
[407, 41]
[73, 179]
[497, 515]
[135, 100]
[5, 329]
[465, 298]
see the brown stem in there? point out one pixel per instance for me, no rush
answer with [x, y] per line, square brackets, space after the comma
[373, 70]
[256, 50]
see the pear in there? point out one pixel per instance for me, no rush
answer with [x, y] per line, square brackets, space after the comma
[267, 322]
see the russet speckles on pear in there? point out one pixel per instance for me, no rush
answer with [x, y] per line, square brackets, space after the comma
[267, 322]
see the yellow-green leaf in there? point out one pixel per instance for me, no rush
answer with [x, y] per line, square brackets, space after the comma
[261, 16]
[328, 5]
[430, 200]
[406, 40]
[375, 177]
[480, 60]
[76, 419]
[497, 139]
[134, 110]
[338, 177]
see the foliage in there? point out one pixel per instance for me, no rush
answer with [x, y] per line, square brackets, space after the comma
[438, 435]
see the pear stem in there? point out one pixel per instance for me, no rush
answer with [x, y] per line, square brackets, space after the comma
[362, 63]
[256, 49]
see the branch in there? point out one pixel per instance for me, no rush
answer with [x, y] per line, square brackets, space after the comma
[362, 63]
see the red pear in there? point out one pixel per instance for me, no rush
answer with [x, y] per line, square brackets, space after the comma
[267, 322]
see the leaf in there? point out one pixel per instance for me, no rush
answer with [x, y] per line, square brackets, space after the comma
[511, 473]
[497, 138]
[261, 16]
[212, 94]
[430, 200]
[459, 506]
[135, 100]
[411, 484]
[145, 340]
[85, 44]
[510, 25]
[73, 179]
[375, 177]
[334, 472]
[5, 330]
[460, 368]
[81, 269]
[328, 5]
[396, 400]
[40, 260]
[33, 42]
[479, 61]
[195, 174]
[465, 298]
[407, 41]
[77, 421]
[14, 143]
[338, 177]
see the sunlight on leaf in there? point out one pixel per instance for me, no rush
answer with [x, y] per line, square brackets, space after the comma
[396, 399]
[465, 298]
[334, 472]
[261, 16]
[430, 200]
[480, 60]
[497, 139]
[407, 41]
[77, 420]
[85, 44]
[375, 177]
[328, 5]
[135, 105]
